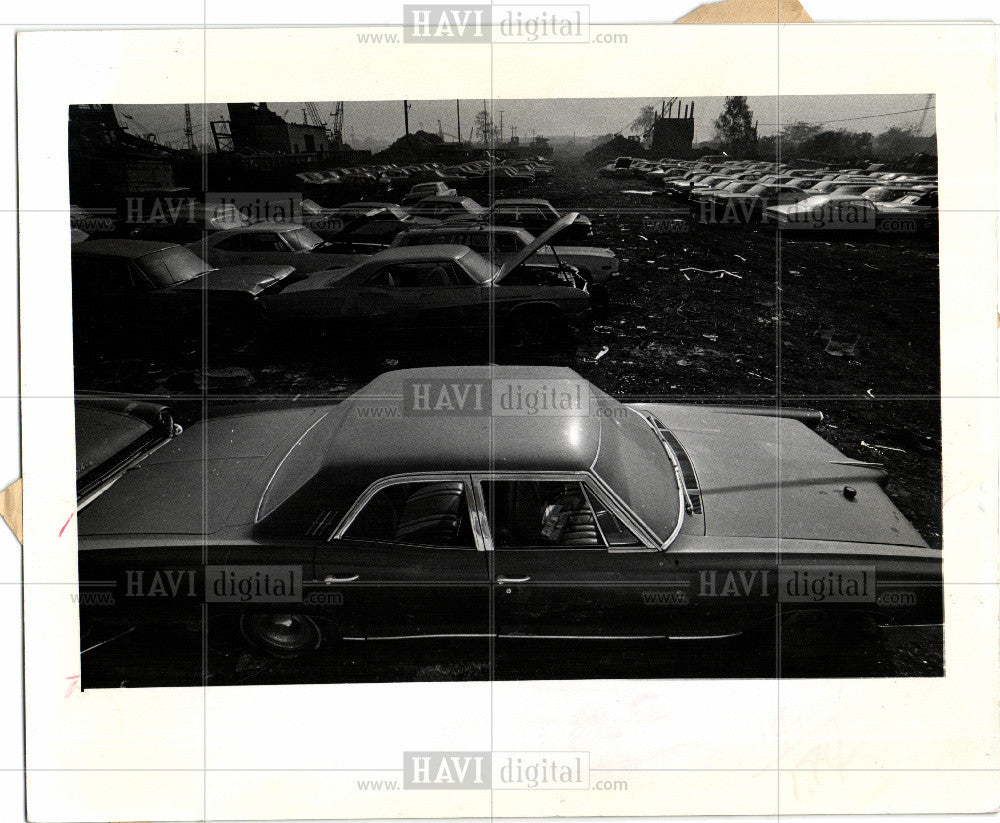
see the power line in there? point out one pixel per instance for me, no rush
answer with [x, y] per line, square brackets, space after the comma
[849, 119]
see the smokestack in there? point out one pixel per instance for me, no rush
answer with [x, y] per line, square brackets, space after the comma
[692, 108]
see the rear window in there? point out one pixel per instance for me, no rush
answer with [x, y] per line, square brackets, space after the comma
[302, 239]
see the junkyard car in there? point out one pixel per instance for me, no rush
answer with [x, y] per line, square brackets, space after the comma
[421, 190]
[433, 503]
[501, 243]
[285, 244]
[124, 287]
[842, 212]
[440, 287]
[373, 231]
[441, 208]
[747, 206]
[530, 213]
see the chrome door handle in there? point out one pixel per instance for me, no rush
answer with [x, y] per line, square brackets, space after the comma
[502, 579]
[330, 579]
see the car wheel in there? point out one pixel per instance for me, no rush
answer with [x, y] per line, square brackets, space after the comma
[232, 328]
[534, 328]
[281, 634]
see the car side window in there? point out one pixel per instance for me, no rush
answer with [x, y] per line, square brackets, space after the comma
[478, 241]
[429, 274]
[546, 514]
[232, 243]
[505, 244]
[103, 276]
[263, 241]
[433, 513]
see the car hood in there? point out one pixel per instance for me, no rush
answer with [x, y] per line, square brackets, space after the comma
[765, 476]
[252, 279]
[580, 251]
[210, 477]
[544, 239]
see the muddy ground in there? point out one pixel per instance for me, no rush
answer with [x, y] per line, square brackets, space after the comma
[846, 325]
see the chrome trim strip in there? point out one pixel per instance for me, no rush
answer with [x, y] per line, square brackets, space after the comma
[411, 477]
[682, 495]
[263, 496]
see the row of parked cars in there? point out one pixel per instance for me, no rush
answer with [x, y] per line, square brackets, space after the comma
[443, 263]
[328, 185]
[784, 195]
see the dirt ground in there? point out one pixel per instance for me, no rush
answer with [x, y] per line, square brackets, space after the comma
[846, 325]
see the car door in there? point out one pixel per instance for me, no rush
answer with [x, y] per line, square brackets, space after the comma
[110, 296]
[408, 562]
[565, 565]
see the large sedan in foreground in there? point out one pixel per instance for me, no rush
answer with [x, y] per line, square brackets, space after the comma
[516, 502]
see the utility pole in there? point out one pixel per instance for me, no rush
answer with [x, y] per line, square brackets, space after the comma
[501, 125]
[458, 115]
[406, 116]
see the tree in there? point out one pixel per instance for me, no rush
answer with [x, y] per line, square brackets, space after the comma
[795, 135]
[735, 127]
[646, 118]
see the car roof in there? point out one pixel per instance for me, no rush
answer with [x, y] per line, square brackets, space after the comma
[471, 227]
[265, 225]
[402, 254]
[533, 201]
[120, 247]
[445, 441]
[445, 198]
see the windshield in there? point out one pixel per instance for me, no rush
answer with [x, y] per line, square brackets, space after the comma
[472, 206]
[302, 239]
[173, 265]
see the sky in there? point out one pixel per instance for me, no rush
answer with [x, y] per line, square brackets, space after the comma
[383, 120]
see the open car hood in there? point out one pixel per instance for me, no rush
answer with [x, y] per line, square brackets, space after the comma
[544, 239]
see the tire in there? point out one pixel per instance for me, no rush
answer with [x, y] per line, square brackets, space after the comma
[532, 328]
[231, 328]
[280, 634]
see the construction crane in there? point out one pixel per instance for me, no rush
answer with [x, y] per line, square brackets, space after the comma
[928, 105]
[313, 119]
[188, 128]
[337, 130]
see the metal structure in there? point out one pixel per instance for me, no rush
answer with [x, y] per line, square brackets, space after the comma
[188, 128]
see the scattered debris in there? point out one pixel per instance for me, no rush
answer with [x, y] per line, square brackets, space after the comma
[838, 345]
[720, 272]
[230, 377]
[601, 353]
[877, 448]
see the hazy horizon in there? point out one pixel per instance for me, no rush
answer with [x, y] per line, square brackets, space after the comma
[382, 121]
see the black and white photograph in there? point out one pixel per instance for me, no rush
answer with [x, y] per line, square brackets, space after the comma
[507, 389]
[506, 414]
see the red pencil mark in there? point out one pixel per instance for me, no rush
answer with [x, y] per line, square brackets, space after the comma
[66, 523]
[76, 682]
